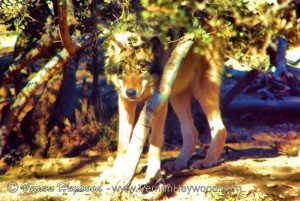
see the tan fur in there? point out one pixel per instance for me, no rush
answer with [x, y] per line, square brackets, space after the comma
[127, 67]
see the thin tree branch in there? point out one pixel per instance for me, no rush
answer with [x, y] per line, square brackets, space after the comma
[64, 29]
[23, 60]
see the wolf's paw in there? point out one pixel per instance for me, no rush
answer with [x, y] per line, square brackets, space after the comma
[151, 184]
[174, 166]
[107, 176]
[152, 177]
[205, 163]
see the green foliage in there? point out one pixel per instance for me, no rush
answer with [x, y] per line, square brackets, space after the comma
[247, 25]
[24, 15]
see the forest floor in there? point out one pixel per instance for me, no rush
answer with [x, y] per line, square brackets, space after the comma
[261, 161]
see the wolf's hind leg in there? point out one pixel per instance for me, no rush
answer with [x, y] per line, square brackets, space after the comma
[181, 104]
[208, 96]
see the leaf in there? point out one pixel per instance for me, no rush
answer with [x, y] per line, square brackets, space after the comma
[145, 3]
[145, 14]
[220, 35]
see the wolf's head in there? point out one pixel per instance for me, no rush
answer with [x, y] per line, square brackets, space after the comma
[134, 62]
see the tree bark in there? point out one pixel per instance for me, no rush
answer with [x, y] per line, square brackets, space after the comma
[240, 86]
[27, 58]
[31, 88]
[41, 114]
[277, 57]
[258, 106]
[53, 66]
[64, 28]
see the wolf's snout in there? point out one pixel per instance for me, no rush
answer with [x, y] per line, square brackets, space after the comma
[131, 93]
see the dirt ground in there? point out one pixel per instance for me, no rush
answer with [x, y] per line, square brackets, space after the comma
[258, 163]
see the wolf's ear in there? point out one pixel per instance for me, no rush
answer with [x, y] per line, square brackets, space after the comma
[157, 46]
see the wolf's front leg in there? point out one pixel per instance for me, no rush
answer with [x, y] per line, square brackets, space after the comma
[153, 173]
[126, 120]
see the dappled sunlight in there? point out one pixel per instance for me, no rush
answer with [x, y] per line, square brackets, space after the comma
[59, 118]
[7, 41]
[216, 124]
[30, 167]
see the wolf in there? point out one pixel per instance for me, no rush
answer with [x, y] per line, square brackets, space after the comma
[136, 55]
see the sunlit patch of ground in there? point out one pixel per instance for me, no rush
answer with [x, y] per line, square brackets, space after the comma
[248, 178]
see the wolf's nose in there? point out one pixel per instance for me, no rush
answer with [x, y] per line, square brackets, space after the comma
[131, 93]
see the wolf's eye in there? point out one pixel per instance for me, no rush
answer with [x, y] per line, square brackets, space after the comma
[144, 65]
[112, 69]
[145, 69]
[120, 72]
